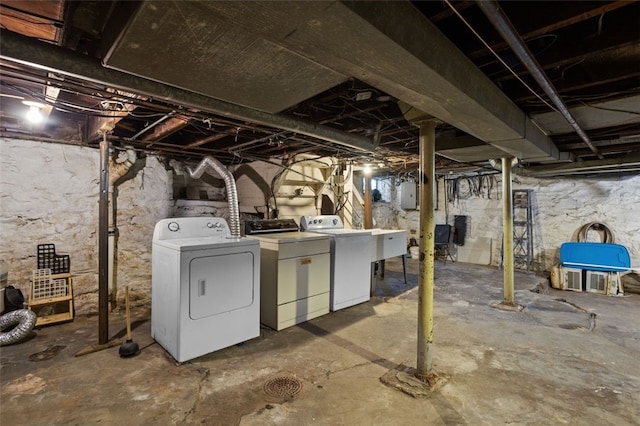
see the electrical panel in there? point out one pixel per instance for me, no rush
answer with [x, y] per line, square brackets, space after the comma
[408, 192]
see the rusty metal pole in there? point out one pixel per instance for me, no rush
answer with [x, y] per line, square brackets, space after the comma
[368, 205]
[103, 244]
[427, 240]
[507, 227]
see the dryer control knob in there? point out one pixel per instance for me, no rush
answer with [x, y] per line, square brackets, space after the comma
[173, 226]
[218, 225]
[209, 225]
[319, 220]
[335, 221]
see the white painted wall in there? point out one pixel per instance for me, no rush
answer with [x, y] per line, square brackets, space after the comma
[561, 207]
[49, 194]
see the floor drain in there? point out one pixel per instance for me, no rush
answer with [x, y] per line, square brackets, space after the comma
[283, 387]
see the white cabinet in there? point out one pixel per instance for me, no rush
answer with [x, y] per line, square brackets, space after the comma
[388, 243]
[294, 278]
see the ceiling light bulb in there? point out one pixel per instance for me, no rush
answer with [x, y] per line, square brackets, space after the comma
[367, 170]
[34, 115]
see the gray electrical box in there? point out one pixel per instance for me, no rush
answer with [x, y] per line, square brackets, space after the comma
[408, 195]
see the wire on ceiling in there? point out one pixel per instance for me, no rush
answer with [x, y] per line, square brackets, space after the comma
[499, 58]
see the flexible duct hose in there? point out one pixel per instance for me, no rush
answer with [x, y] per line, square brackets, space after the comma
[230, 185]
[608, 235]
[25, 319]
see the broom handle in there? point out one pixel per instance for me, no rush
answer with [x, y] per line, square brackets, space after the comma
[126, 300]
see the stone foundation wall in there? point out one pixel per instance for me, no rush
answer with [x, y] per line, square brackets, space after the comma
[561, 206]
[49, 194]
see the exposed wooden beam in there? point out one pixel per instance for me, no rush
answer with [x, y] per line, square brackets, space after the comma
[566, 58]
[596, 70]
[212, 138]
[571, 20]
[96, 125]
[38, 19]
[166, 128]
[460, 6]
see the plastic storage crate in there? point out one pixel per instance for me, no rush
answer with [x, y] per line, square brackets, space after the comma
[48, 259]
[44, 287]
[51, 296]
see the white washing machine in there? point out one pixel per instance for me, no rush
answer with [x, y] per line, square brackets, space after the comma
[350, 259]
[205, 290]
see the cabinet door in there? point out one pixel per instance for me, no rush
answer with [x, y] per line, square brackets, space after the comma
[301, 277]
[220, 284]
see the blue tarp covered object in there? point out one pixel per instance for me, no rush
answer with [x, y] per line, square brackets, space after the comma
[595, 256]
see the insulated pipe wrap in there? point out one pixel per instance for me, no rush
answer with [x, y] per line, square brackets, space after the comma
[25, 319]
[230, 185]
[119, 169]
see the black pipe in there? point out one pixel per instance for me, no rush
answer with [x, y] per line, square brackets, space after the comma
[503, 25]
[103, 244]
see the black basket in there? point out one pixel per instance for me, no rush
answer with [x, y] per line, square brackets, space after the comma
[48, 259]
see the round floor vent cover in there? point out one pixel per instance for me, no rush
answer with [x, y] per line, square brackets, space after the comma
[283, 386]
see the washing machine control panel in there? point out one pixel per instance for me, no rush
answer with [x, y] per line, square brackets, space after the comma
[320, 222]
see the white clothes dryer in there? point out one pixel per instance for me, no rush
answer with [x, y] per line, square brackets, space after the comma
[205, 290]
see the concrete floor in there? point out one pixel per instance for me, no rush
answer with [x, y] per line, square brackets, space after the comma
[552, 363]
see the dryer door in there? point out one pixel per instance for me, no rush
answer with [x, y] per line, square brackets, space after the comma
[220, 284]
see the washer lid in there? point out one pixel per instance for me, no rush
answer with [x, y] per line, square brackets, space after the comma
[290, 237]
[204, 243]
[343, 232]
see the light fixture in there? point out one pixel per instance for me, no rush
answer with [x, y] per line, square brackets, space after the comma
[367, 170]
[34, 114]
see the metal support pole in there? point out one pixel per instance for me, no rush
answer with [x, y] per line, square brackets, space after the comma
[507, 227]
[427, 241]
[368, 205]
[103, 244]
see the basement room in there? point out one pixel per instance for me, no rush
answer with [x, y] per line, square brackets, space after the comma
[319, 212]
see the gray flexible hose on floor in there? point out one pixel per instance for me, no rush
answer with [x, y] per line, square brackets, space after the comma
[25, 319]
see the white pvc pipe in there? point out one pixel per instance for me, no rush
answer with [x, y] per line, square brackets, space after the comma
[116, 171]
[112, 261]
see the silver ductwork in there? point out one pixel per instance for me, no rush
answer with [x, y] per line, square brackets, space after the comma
[230, 185]
[25, 319]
